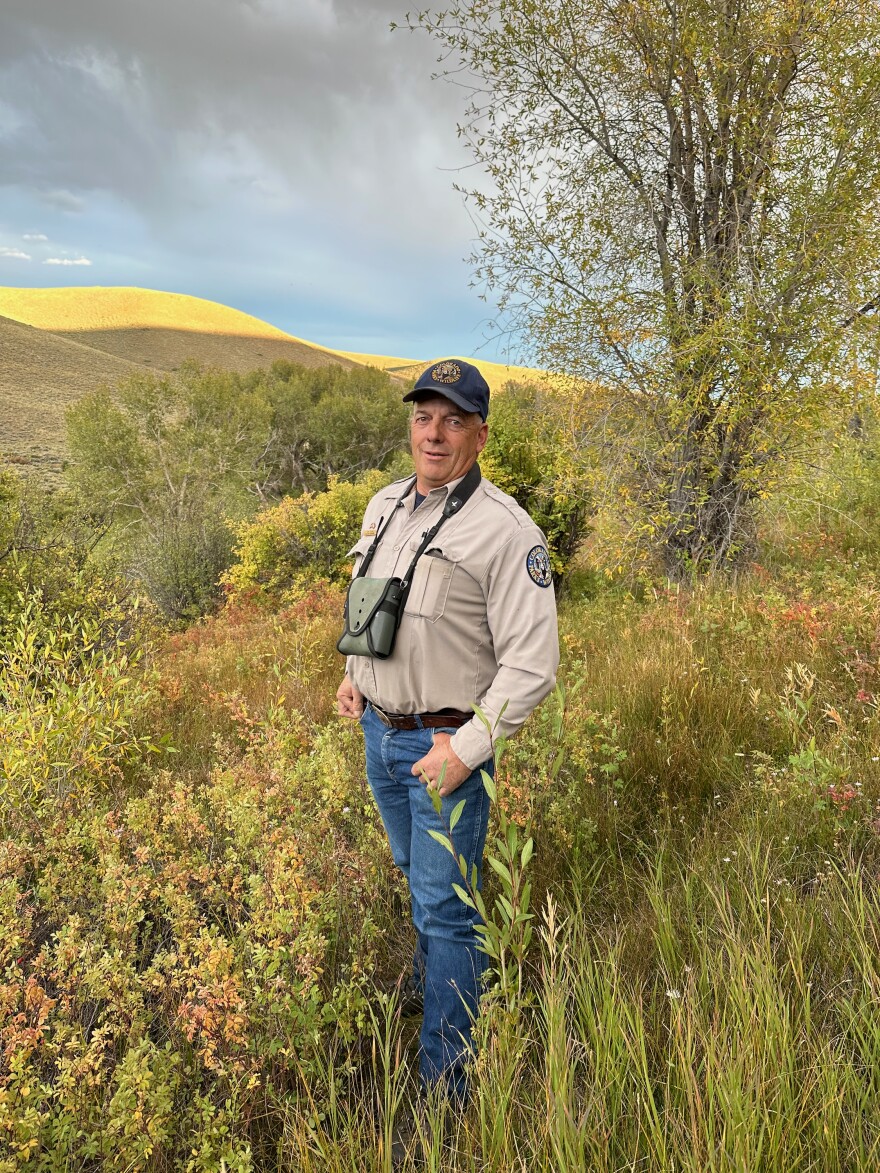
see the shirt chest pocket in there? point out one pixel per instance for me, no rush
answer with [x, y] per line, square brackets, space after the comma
[429, 595]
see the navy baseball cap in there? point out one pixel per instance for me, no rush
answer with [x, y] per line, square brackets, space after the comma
[458, 380]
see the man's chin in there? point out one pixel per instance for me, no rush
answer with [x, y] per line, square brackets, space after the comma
[437, 472]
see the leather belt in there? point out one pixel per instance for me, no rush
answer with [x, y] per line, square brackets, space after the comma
[445, 719]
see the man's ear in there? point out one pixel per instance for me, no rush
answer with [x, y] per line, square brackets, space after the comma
[482, 437]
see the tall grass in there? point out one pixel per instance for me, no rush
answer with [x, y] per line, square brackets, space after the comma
[727, 1052]
[189, 957]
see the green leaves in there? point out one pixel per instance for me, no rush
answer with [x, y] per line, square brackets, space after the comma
[463, 896]
[442, 839]
[456, 813]
[72, 692]
[489, 785]
[682, 210]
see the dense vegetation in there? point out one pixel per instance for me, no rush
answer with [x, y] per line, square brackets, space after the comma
[175, 459]
[197, 901]
[681, 201]
[176, 471]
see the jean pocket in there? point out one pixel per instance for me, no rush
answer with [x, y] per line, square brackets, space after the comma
[450, 729]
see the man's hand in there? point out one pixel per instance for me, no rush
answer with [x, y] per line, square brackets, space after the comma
[429, 767]
[350, 701]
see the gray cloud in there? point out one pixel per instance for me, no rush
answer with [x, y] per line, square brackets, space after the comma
[65, 201]
[300, 99]
[279, 134]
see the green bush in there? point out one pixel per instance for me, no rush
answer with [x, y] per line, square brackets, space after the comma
[527, 456]
[72, 693]
[47, 543]
[301, 537]
[332, 422]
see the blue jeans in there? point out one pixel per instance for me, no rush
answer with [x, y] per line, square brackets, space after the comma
[447, 964]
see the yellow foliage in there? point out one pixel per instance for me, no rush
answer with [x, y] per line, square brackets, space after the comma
[303, 536]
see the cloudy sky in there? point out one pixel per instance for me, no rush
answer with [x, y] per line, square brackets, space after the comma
[291, 158]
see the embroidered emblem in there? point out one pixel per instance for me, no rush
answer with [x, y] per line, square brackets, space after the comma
[446, 372]
[538, 566]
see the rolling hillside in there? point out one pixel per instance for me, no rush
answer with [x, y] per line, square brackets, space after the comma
[160, 330]
[56, 344]
[40, 374]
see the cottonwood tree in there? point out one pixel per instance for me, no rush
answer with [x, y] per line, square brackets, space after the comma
[684, 206]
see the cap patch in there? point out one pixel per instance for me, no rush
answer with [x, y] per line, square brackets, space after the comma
[446, 372]
[538, 566]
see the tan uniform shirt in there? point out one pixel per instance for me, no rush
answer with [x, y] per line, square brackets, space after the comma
[479, 625]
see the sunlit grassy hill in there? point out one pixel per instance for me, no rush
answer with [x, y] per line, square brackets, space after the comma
[57, 344]
[106, 308]
[160, 330]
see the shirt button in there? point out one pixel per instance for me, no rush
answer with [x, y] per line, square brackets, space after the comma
[397, 547]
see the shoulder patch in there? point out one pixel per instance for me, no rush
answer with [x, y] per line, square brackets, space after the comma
[538, 566]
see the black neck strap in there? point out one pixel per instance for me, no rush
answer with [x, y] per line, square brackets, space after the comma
[454, 503]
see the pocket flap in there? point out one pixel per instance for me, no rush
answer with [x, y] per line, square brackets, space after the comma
[362, 602]
[438, 550]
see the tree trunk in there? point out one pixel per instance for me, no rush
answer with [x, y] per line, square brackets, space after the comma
[710, 521]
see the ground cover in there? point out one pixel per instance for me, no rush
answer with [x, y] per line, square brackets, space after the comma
[197, 900]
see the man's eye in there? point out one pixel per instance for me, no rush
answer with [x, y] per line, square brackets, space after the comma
[454, 424]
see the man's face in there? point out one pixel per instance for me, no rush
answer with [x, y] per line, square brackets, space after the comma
[445, 441]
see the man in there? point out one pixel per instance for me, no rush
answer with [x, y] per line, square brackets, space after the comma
[478, 628]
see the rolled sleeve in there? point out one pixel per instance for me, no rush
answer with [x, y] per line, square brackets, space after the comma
[521, 615]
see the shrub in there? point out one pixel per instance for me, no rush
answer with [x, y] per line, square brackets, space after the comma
[528, 456]
[331, 422]
[177, 963]
[180, 557]
[303, 537]
[47, 540]
[72, 693]
[219, 680]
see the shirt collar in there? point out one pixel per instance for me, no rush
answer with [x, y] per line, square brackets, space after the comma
[444, 490]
